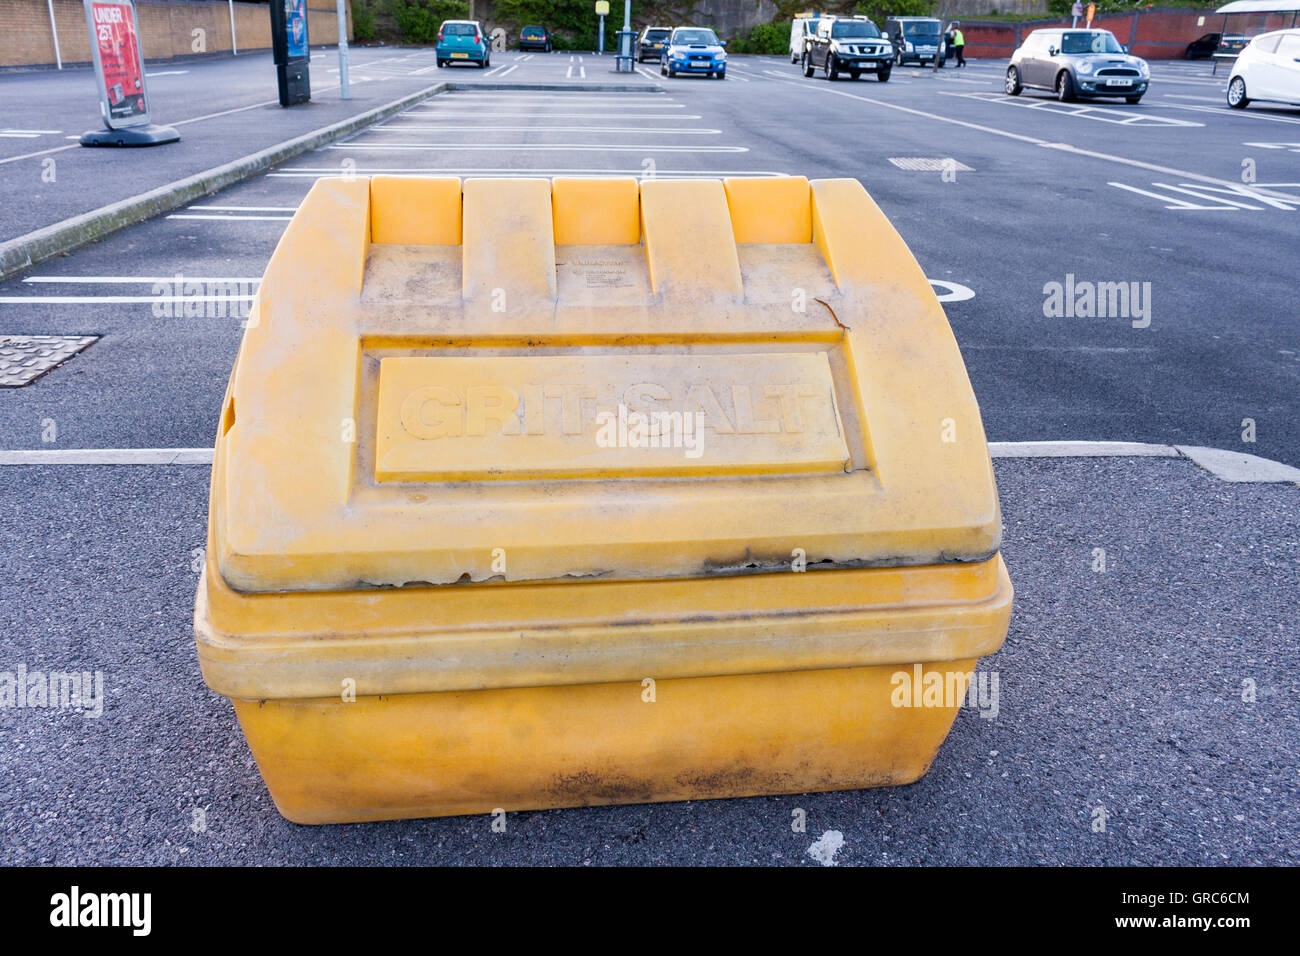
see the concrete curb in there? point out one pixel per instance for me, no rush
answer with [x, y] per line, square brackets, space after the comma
[45, 243]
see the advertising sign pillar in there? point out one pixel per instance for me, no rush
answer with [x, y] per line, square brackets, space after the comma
[118, 66]
[290, 50]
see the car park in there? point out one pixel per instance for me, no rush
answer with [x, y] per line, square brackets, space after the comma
[462, 41]
[694, 50]
[915, 39]
[535, 38]
[1074, 63]
[1215, 44]
[849, 45]
[650, 44]
[1268, 69]
[802, 31]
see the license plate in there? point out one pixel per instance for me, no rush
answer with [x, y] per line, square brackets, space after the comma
[1119, 82]
[460, 56]
[867, 65]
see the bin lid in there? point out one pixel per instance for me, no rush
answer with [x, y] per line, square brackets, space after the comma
[533, 380]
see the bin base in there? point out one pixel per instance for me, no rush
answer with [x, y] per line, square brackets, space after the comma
[533, 748]
[150, 135]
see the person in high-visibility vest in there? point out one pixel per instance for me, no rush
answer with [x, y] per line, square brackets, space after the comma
[958, 43]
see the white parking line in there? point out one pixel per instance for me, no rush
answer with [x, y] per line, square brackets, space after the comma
[1232, 466]
[1034, 140]
[482, 128]
[246, 208]
[431, 114]
[535, 147]
[118, 299]
[1226, 110]
[232, 218]
[1120, 117]
[127, 280]
[638, 172]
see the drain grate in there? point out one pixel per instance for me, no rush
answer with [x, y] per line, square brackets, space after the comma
[25, 358]
[926, 164]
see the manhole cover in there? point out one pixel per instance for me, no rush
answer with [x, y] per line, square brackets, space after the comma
[926, 164]
[25, 358]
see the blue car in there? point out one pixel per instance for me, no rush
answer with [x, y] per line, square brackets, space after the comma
[694, 50]
[462, 41]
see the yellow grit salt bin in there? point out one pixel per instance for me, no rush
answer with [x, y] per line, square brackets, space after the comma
[536, 493]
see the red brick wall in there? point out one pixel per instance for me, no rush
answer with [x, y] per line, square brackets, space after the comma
[1157, 34]
[166, 29]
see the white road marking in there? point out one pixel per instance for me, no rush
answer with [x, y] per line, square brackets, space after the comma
[638, 172]
[170, 73]
[128, 280]
[1079, 110]
[436, 114]
[1227, 110]
[956, 292]
[481, 128]
[1226, 465]
[1034, 140]
[19, 135]
[536, 147]
[1225, 198]
[117, 299]
[247, 208]
[233, 218]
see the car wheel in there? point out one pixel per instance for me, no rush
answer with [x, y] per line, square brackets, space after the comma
[898, 59]
[807, 64]
[722, 74]
[1013, 86]
[663, 68]
[1237, 98]
[1065, 87]
[942, 62]
[882, 76]
[1133, 99]
[487, 62]
[442, 64]
[671, 72]
[831, 68]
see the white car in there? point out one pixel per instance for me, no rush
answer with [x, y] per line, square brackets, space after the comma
[1268, 69]
[802, 31]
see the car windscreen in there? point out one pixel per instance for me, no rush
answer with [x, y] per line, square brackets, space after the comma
[845, 29]
[459, 29]
[695, 38]
[921, 29]
[1094, 41]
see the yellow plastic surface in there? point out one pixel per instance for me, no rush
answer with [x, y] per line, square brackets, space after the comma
[431, 588]
[837, 415]
[424, 755]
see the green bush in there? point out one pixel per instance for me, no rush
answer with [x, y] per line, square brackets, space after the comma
[766, 39]
[363, 20]
[418, 20]
[572, 23]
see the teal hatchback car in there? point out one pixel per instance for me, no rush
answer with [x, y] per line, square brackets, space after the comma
[462, 41]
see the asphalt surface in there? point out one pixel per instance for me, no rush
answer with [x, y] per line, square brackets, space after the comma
[1121, 690]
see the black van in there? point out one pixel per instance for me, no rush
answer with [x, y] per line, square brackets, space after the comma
[916, 39]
